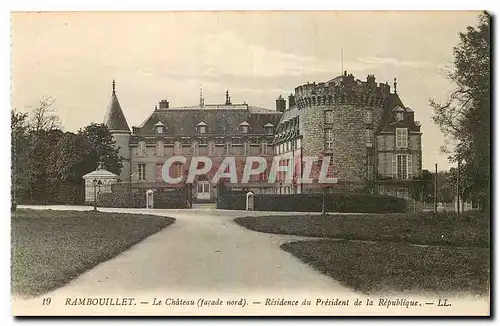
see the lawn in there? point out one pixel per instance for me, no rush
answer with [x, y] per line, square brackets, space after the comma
[50, 248]
[471, 230]
[391, 252]
[375, 268]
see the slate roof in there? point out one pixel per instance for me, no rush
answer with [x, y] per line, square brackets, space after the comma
[114, 118]
[388, 123]
[219, 119]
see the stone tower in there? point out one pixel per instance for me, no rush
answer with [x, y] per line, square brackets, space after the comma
[118, 126]
[337, 109]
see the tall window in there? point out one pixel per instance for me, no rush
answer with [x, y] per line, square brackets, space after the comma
[402, 166]
[369, 167]
[264, 147]
[369, 137]
[177, 170]
[328, 116]
[177, 148]
[329, 138]
[159, 177]
[401, 137]
[159, 148]
[141, 168]
[141, 148]
[368, 116]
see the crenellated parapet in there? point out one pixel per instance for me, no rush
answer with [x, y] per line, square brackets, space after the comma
[342, 90]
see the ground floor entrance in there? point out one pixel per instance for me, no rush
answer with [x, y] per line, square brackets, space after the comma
[202, 190]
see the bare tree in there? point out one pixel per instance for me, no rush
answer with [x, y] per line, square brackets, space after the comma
[42, 117]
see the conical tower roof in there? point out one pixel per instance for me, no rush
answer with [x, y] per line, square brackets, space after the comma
[115, 119]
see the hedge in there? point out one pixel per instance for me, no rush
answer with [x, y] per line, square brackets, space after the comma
[334, 202]
[135, 200]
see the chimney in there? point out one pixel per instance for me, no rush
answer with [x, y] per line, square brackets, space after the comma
[280, 104]
[291, 101]
[164, 104]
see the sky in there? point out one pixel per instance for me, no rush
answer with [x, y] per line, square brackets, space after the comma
[257, 56]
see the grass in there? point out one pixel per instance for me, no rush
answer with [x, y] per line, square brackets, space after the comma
[395, 252]
[50, 248]
[394, 268]
[471, 230]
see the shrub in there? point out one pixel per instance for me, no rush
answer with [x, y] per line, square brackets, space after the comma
[135, 200]
[334, 202]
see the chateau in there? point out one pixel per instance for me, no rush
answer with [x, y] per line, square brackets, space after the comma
[372, 139]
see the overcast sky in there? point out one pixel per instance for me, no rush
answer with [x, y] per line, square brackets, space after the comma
[73, 57]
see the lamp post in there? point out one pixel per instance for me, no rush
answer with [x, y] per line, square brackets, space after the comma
[96, 184]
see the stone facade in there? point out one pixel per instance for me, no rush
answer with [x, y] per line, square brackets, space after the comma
[371, 138]
[354, 122]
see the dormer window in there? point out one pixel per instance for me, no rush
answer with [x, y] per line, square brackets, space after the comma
[159, 127]
[244, 127]
[269, 128]
[201, 127]
[399, 114]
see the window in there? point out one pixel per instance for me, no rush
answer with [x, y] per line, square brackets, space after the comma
[141, 149]
[264, 147]
[369, 167]
[402, 166]
[160, 148]
[329, 138]
[211, 149]
[177, 170]
[369, 137]
[399, 116]
[159, 129]
[298, 143]
[328, 116]
[177, 148]
[202, 142]
[201, 127]
[401, 137]
[244, 127]
[141, 172]
[228, 146]
[159, 177]
[368, 116]
[269, 128]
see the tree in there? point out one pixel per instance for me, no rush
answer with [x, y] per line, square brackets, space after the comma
[19, 139]
[103, 145]
[465, 117]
